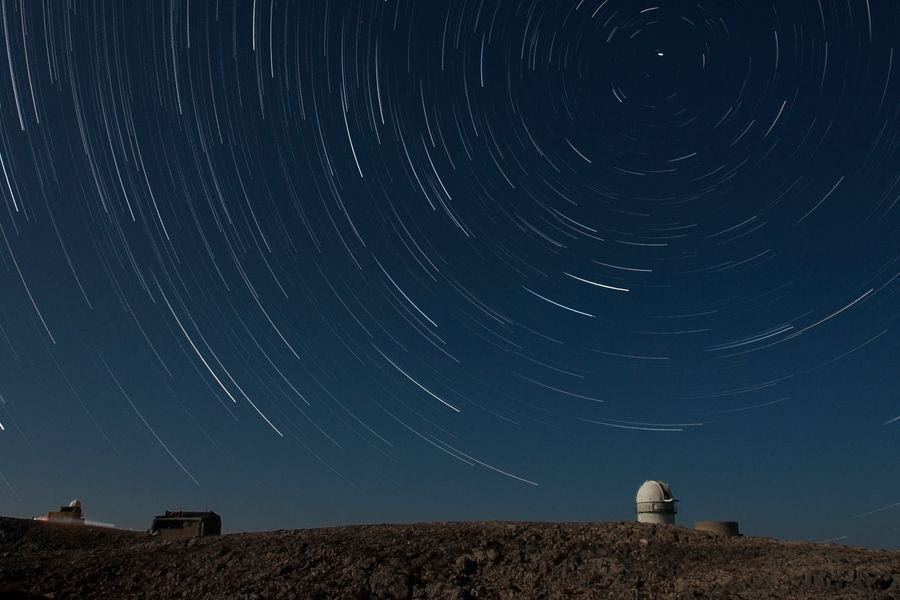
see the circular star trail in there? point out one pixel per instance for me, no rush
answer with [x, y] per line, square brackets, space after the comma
[450, 259]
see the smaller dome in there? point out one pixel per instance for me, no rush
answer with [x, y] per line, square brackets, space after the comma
[75, 503]
[654, 491]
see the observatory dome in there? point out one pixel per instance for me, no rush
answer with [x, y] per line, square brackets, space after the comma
[655, 503]
[654, 491]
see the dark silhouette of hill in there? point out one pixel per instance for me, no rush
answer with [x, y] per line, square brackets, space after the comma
[435, 560]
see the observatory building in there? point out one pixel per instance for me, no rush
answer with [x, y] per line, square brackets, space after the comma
[182, 524]
[655, 503]
[70, 514]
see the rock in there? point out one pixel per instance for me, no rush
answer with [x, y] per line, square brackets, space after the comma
[465, 565]
[443, 591]
[388, 583]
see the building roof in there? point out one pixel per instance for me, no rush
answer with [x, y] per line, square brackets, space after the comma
[654, 491]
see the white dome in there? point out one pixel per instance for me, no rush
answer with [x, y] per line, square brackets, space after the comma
[654, 491]
[75, 503]
[655, 503]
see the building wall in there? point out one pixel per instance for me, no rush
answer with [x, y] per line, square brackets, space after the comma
[190, 530]
[657, 518]
[70, 517]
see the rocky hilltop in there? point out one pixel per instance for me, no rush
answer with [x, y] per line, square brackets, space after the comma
[435, 560]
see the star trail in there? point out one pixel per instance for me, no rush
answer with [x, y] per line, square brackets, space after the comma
[368, 260]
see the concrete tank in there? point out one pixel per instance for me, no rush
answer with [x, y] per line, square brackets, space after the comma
[655, 503]
[726, 528]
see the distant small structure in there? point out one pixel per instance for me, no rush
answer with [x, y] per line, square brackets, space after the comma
[725, 528]
[655, 503]
[180, 524]
[69, 515]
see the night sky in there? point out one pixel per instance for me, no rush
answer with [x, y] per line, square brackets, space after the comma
[338, 261]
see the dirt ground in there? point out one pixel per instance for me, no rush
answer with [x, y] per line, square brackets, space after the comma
[435, 560]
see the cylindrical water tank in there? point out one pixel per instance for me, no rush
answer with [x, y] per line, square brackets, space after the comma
[655, 503]
[727, 528]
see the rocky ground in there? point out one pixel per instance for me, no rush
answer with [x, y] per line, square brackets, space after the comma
[435, 560]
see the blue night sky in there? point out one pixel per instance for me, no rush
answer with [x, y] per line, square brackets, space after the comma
[343, 261]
